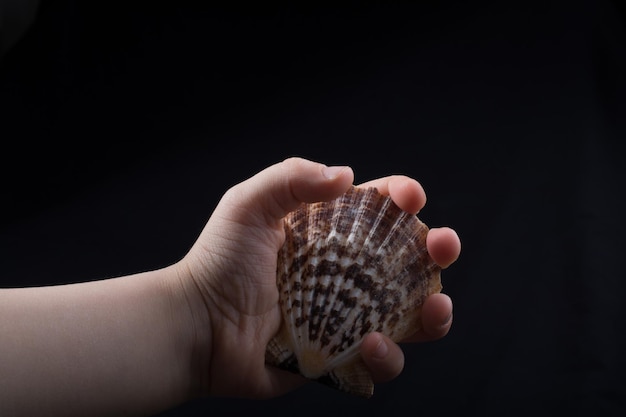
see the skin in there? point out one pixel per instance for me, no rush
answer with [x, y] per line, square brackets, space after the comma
[140, 344]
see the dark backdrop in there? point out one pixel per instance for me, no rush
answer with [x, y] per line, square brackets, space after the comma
[123, 123]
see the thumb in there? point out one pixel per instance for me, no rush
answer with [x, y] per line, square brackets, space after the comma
[282, 187]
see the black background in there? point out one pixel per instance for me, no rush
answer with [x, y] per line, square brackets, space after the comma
[123, 123]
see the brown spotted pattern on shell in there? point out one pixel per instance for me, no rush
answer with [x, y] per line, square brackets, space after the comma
[348, 267]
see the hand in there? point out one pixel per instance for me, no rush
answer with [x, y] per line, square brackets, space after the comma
[229, 278]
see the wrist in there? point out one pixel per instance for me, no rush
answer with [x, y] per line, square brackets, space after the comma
[191, 326]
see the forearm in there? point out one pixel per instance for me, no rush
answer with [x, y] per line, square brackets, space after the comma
[111, 347]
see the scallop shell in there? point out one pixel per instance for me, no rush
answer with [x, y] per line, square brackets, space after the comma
[348, 267]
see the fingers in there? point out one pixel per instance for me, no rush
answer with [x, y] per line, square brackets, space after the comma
[436, 318]
[406, 192]
[383, 357]
[282, 187]
[443, 243]
[443, 246]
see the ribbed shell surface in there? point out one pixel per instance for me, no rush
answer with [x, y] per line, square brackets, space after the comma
[348, 267]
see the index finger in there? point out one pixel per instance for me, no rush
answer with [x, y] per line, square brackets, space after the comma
[406, 192]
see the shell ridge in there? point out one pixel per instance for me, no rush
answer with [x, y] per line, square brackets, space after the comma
[412, 241]
[307, 278]
[371, 192]
[392, 235]
[282, 345]
[336, 211]
[362, 256]
[341, 314]
[348, 314]
[314, 307]
[352, 377]
[283, 283]
[356, 228]
[348, 355]
[374, 231]
[296, 294]
[403, 273]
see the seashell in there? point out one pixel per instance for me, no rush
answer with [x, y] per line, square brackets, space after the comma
[348, 267]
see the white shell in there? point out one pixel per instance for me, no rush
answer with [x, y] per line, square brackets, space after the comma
[348, 267]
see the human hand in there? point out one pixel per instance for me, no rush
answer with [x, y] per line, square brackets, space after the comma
[229, 278]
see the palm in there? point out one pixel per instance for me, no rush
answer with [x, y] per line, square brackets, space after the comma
[245, 296]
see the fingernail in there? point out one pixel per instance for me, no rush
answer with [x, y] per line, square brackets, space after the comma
[331, 173]
[381, 349]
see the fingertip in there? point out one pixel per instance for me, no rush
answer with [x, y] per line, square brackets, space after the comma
[383, 357]
[437, 316]
[376, 347]
[282, 187]
[407, 193]
[443, 245]
[333, 172]
[311, 181]
[340, 178]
